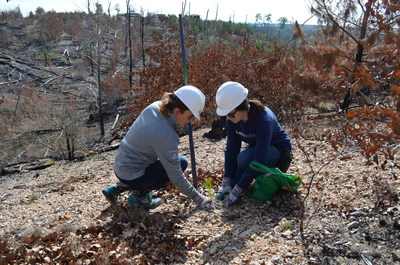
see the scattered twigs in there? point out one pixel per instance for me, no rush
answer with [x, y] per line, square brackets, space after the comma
[51, 79]
[29, 69]
[366, 261]
[183, 234]
[314, 174]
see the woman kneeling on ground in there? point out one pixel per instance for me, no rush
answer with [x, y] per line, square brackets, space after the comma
[148, 158]
[251, 122]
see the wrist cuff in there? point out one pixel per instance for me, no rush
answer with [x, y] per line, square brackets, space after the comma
[227, 182]
[237, 191]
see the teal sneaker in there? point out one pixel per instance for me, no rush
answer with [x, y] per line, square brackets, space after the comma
[111, 193]
[146, 202]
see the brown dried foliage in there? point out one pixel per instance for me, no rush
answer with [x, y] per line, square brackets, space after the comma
[138, 243]
[267, 73]
[367, 88]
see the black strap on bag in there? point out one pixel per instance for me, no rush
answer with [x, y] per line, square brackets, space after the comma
[284, 161]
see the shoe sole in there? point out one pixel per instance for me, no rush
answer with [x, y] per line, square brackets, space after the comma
[154, 205]
[145, 206]
[113, 203]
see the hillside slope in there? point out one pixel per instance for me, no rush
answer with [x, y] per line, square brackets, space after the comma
[58, 215]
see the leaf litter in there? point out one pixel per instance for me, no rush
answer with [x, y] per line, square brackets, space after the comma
[352, 216]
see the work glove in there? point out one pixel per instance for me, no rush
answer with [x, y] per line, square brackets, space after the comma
[223, 192]
[203, 201]
[225, 189]
[233, 196]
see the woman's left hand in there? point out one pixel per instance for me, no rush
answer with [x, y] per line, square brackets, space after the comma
[203, 201]
[233, 196]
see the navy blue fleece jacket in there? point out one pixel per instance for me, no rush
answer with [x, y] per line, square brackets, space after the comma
[260, 132]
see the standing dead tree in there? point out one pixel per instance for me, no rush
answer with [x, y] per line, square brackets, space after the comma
[99, 33]
[142, 40]
[360, 23]
[90, 25]
[129, 38]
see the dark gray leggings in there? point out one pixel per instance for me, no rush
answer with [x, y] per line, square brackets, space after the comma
[154, 178]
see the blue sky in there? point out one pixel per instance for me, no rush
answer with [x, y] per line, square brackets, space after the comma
[239, 11]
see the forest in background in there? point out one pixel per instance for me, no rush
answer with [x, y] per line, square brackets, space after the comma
[71, 82]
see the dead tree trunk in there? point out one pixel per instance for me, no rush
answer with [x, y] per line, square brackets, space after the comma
[363, 32]
[15, 110]
[91, 33]
[142, 40]
[128, 14]
[100, 99]
[347, 100]
[215, 23]
[70, 148]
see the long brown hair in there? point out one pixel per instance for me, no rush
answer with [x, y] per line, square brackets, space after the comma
[169, 102]
[253, 106]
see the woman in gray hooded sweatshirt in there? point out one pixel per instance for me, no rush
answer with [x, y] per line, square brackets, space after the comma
[148, 158]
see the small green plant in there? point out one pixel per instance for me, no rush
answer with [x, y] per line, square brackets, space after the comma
[93, 155]
[108, 65]
[208, 183]
[31, 198]
[298, 178]
[69, 180]
[47, 58]
[287, 225]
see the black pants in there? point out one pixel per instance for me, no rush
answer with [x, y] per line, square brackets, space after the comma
[154, 178]
[284, 161]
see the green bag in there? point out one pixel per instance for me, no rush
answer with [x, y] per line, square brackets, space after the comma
[266, 186]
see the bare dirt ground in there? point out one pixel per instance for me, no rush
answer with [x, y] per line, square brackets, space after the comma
[58, 215]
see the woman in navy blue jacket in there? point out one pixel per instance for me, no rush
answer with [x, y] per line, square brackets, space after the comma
[250, 122]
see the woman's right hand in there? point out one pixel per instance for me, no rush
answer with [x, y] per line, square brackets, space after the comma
[223, 192]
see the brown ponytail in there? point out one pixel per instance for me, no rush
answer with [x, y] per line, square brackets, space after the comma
[169, 102]
[253, 107]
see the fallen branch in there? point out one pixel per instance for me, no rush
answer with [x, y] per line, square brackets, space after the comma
[31, 166]
[182, 234]
[115, 122]
[51, 79]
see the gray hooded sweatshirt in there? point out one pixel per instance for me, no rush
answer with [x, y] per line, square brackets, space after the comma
[152, 137]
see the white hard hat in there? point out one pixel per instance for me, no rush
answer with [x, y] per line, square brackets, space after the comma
[193, 98]
[229, 96]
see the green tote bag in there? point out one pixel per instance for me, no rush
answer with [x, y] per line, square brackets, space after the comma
[265, 186]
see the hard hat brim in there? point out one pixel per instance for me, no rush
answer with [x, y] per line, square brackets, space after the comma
[222, 112]
[182, 94]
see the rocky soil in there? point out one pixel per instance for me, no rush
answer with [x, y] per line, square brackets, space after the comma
[58, 215]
